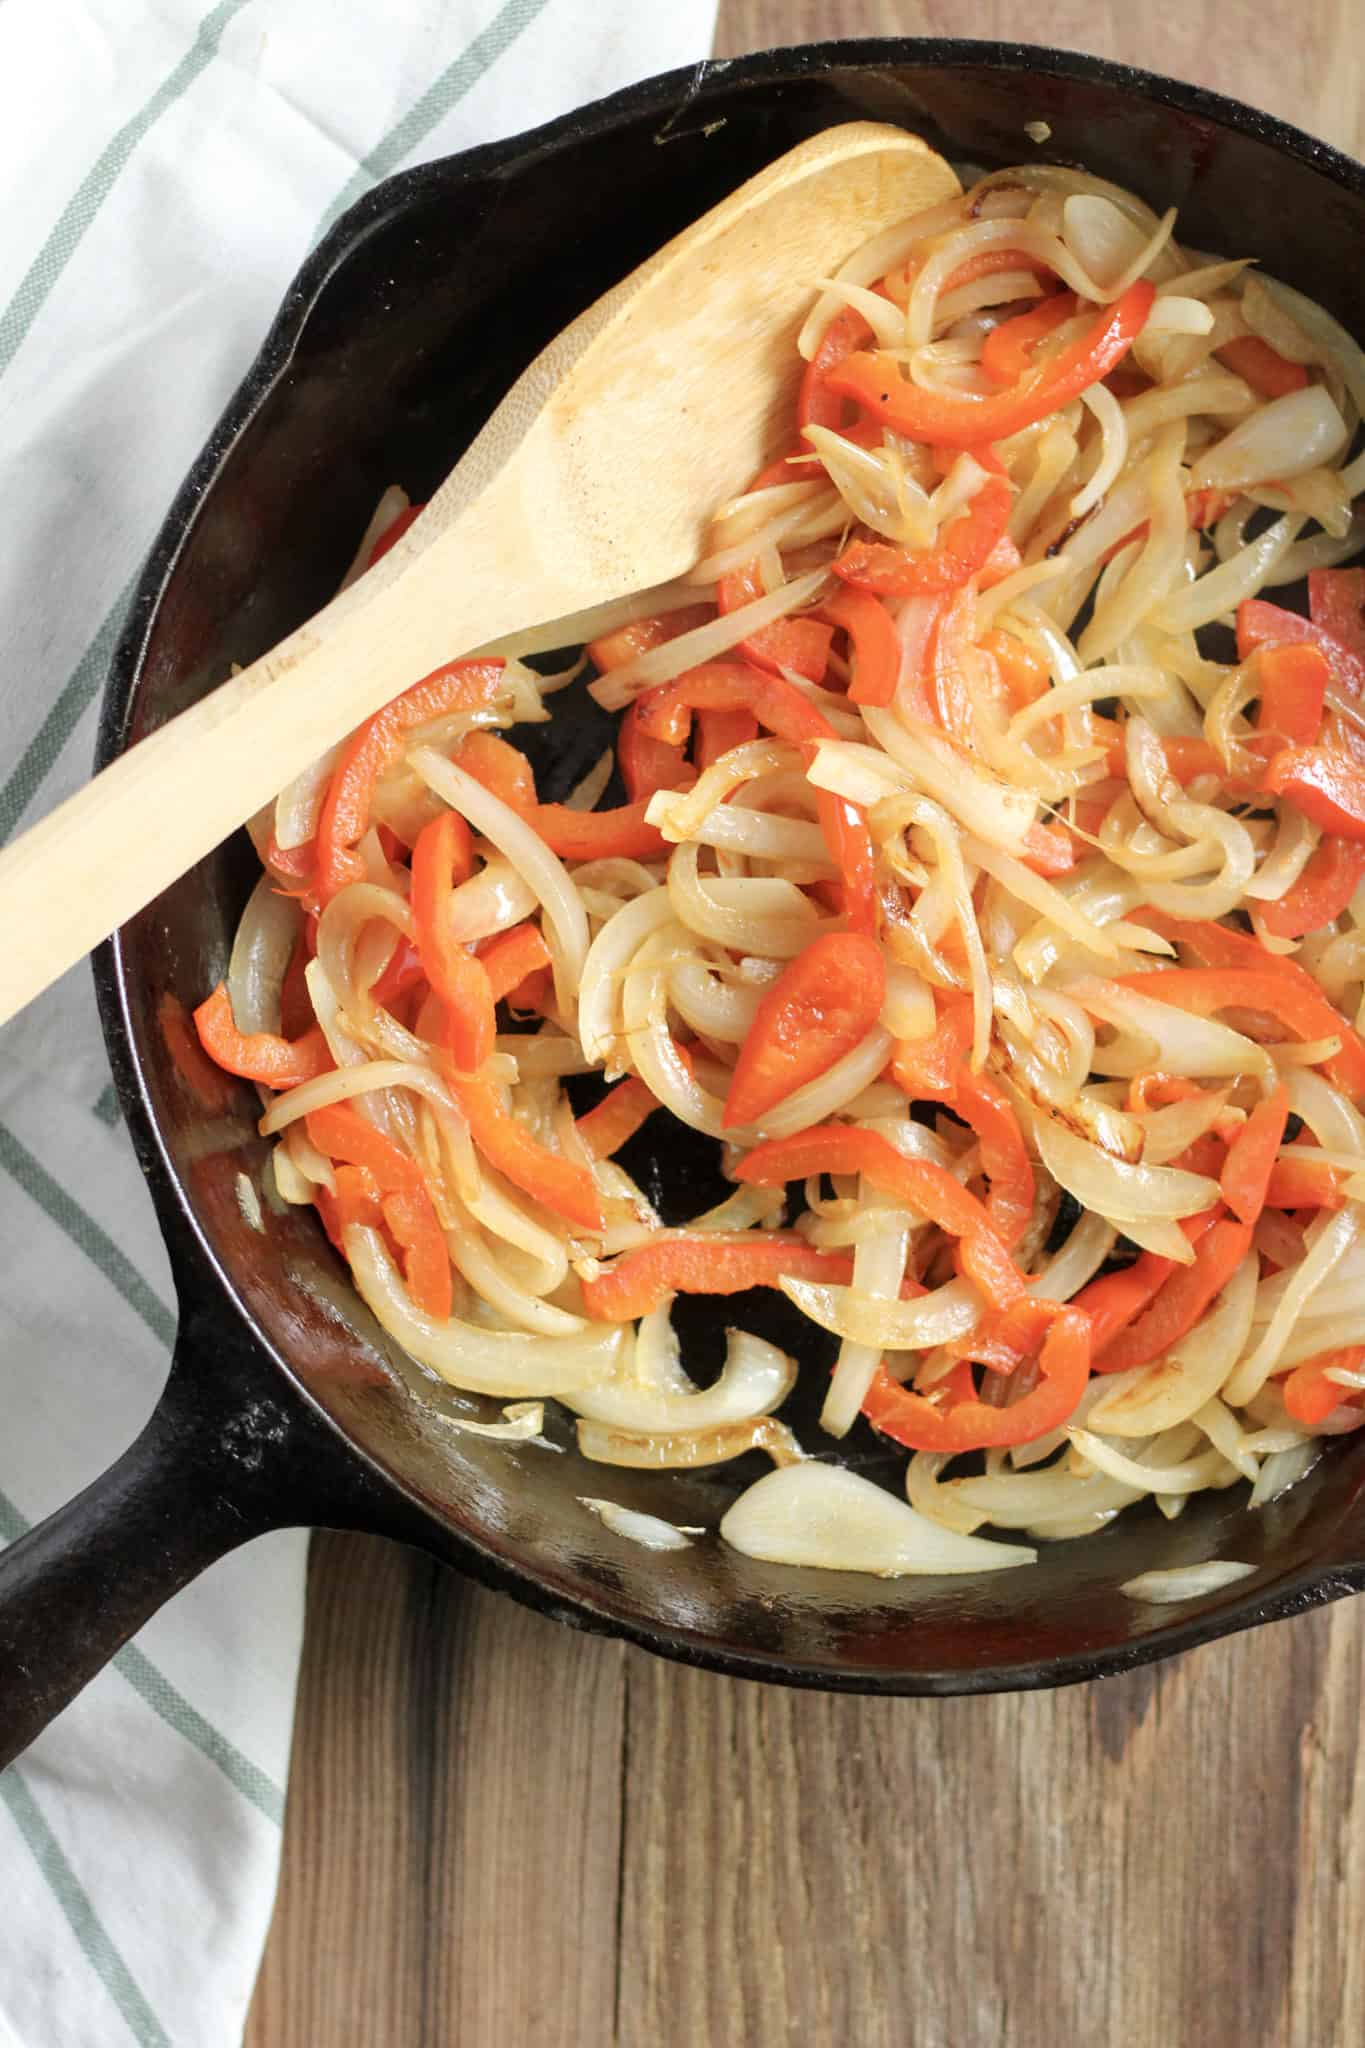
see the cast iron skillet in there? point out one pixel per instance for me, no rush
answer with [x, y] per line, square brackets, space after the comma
[285, 1404]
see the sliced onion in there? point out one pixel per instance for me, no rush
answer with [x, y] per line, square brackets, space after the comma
[1327, 1241]
[1223, 589]
[1283, 438]
[989, 808]
[829, 1517]
[365, 1077]
[609, 955]
[1185, 1581]
[1122, 1192]
[508, 1363]
[521, 1423]
[261, 952]
[950, 1312]
[883, 252]
[878, 1268]
[756, 914]
[1158, 1035]
[1187, 1475]
[650, 1531]
[756, 1379]
[687, 1449]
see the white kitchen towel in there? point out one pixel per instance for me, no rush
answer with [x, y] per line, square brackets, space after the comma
[165, 168]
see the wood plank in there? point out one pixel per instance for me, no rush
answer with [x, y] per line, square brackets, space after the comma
[450, 1867]
[477, 1794]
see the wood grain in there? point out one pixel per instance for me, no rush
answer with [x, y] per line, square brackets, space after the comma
[505, 1835]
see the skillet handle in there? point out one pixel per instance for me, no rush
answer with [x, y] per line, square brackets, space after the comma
[230, 1451]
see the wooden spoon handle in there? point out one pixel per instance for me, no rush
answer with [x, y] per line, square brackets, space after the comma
[116, 844]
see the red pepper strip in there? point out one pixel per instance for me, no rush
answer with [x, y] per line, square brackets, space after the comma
[898, 283]
[509, 958]
[258, 1055]
[298, 861]
[800, 644]
[389, 538]
[964, 1423]
[1049, 850]
[562, 1185]
[717, 732]
[623, 833]
[1324, 784]
[954, 420]
[1336, 603]
[1115, 1299]
[850, 848]
[963, 547]
[649, 765]
[927, 1067]
[1023, 672]
[375, 746]
[1269, 374]
[1321, 893]
[953, 642]
[444, 855]
[614, 650]
[354, 1199]
[1181, 1300]
[1007, 352]
[606, 1127]
[1276, 986]
[1251, 1157]
[1260, 624]
[823, 1003]
[426, 1258]
[343, 1134]
[709, 1263]
[876, 647]
[985, 1107]
[666, 711]
[1185, 757]
[1293, 682]
[913, 1183]
[1310, 1397]
[1304, 1184]
[816, 405]
[502, 769]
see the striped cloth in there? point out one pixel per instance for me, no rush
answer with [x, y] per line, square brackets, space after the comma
[166, 169]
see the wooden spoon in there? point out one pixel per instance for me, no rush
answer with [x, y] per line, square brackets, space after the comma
[594, 478]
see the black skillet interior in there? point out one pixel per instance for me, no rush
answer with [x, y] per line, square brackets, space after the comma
[398, 338]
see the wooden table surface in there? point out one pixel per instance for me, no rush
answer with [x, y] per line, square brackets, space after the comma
[502, 1834]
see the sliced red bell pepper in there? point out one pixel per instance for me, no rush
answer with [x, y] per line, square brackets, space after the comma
[502, 769]
[1181, 1300]
[1269, 374]
[800, 644]
[649, 765]
[1024, 673]
[709, 1262]
[821, 1006]
[1304, 1184]
[374, 747]
[955, 420]
[963, 547]
[261, 1056]
[620, 834]
[816, 404]
[417, 1232]
[1115, 1299]
[1049, 850]
[926, 1068]
[666, 711]
[1323, 783]
[1321, 893]
[913, 1183]
[716, 732]
[507, 1145]
[1310, 1397]
[1293, 683]
[1261, 624]
[1007, 352]
[511, 956]
[960, 1422]
[984, 1106]
[607, 1126]
[850, 848]
[1251, 1157]
[872, 636]
[442, 857]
